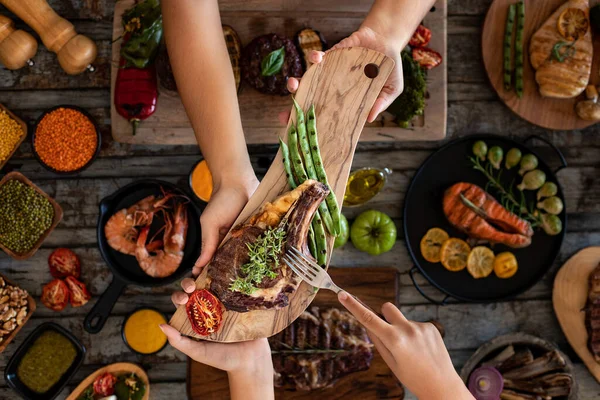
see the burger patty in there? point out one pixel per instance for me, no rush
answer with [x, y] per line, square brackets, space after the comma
[257, 50]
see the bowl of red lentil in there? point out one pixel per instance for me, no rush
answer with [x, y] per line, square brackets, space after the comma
[66, 139]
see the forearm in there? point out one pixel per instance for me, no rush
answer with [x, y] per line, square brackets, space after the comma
[251, 386]
[397, 20]
[205, 82]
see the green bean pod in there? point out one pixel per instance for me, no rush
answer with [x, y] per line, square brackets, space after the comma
[320, 240]
[295, 158]
[310, 168]
[519, 48]
[332, 205]
[508, 46]
[312, 246]
[285, 153]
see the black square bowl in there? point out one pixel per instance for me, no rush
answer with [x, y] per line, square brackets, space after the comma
[10, 373]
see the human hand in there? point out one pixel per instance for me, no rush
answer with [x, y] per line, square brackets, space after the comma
[369, 38]
[414, 351]
[227, 201]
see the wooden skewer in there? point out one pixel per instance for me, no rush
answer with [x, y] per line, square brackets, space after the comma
[75, 52]
[17, 47]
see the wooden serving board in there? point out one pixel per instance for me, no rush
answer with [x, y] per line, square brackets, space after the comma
[335, 20]
[374, 286]
[115, 369]
[343, 96]
[545, 112]
[569, 297]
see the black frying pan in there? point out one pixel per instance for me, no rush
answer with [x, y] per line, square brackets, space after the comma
[423, 210]
[125, 269]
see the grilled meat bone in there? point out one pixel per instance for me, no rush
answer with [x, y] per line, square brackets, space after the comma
[320, 347]
[551, 361]
[470, 209]
[300, 205]
[592, 313]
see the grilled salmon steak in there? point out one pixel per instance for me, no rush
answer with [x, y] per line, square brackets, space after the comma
[484, 218]
[565, 79]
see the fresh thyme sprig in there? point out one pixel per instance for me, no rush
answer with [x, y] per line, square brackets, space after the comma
[507, 194]
[263, 253]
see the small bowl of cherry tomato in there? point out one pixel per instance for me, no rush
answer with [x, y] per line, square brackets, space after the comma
[65, 268]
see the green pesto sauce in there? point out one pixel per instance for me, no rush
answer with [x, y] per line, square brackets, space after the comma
[46, 361]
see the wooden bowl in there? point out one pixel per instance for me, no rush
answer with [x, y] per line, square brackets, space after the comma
[23, 126]
[117, 368]
[569, 297]
[537, 345]
[30, 304]
[58, 214]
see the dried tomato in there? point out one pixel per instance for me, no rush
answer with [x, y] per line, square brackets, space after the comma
[204, 312]
[426, 57]
[55, 295]
[79, 293]
[421, 37]
[104, 384]
[63, 263]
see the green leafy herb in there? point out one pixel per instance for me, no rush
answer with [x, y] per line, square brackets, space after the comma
[273, 62]
[561, 51]
[130, 387]
[412, 100]
[263, 253]
[144, 29]
[88, 394]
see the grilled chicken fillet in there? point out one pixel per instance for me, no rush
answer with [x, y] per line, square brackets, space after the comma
[496, 225]
[566, 79]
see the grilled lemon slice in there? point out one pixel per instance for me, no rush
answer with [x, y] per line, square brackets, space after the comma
[431, 244]
[480, 263]
[454, 254]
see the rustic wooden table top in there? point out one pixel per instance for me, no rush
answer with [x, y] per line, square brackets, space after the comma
[473, 108]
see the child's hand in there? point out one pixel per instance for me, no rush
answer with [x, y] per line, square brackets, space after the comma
[414, 351]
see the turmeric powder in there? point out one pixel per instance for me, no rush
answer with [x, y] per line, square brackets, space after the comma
[201, 181]
[141, 331]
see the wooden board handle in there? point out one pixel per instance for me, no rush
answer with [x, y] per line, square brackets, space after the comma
[75, 52]
[17, 47]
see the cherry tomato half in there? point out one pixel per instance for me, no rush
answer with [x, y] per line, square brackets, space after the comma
[104, 384]
[55, 295]
[421, 37]
[426, 57]
[205, 312]
[63, 263]
[79, 293]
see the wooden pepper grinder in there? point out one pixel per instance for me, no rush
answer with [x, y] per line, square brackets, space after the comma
[75, 52]
[17, 47]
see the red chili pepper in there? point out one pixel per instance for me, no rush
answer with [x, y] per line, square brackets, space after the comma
[136, 93]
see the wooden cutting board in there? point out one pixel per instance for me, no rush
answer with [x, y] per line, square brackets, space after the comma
[569, 298]
[541, 111]
[115, 369]
[343, 95]
[374, 286]
[335, 20]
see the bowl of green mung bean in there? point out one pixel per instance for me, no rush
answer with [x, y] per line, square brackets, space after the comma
[27, 216]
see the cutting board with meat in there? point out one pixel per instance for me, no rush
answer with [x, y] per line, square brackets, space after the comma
[335, 20]
[337, 95]
[374, 286]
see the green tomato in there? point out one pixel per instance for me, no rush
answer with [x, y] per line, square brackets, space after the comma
[342, 238]
[373, 232]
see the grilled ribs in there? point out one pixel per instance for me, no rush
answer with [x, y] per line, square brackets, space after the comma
[320, 347]
[300, 205]
[592, 313]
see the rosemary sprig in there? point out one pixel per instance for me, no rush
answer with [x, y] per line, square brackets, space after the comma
[568, 52]
[506, 194]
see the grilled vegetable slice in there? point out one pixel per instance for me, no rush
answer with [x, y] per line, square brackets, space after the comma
[426, 57]
[421, 37]
[205, 312]
[308, 39]
[78, 293]
[234, 47]
[55, 295]
[63, 263]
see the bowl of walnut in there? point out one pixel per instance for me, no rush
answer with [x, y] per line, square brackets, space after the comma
[16, 306]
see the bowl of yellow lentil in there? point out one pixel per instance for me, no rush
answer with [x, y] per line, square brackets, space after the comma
[66, 139]
[13, 132]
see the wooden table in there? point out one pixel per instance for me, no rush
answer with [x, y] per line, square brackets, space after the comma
[473, 108]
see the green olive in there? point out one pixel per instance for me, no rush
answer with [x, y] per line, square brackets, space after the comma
[512, 158]
[528, 162]
[532, 180]
[547, 190]
[552, 205]
[551, 224]
[495, 155]
[480, 149]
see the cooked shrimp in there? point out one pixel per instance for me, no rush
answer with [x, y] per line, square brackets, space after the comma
[120, 230]
[167, 260]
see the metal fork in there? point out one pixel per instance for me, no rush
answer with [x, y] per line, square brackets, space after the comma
[312, 273]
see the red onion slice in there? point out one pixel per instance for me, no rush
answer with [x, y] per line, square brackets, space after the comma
[486, 383]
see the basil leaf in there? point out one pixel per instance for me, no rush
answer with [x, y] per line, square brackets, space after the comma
[273, 62]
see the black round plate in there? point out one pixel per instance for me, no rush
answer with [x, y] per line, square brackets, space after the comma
[126, 267]
[423, 211]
